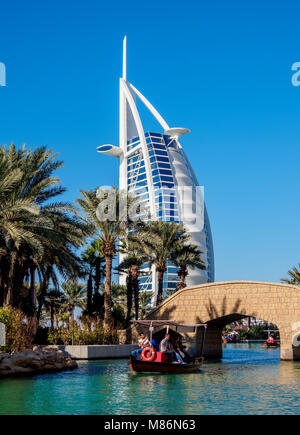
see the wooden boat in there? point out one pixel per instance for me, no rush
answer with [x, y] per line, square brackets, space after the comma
[137, 366]
[271, 342]
[157, 365]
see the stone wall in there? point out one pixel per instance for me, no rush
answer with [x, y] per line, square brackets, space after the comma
[82, 352]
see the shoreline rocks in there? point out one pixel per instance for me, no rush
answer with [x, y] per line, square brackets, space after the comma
[29, 362]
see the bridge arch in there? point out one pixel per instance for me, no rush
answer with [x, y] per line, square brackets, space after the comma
[219, 303]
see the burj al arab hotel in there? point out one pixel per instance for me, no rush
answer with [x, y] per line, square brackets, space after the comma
[154, 168]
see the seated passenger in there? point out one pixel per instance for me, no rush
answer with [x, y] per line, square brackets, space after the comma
[167, 348]
[181, 350]
[142, 342]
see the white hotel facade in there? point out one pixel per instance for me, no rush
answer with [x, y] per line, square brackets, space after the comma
[154, 167]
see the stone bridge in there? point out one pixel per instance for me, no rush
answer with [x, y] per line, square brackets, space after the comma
[220, 303]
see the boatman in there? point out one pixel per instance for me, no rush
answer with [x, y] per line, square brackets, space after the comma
[167, 347]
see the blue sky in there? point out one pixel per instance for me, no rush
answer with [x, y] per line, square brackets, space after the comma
[222, 69]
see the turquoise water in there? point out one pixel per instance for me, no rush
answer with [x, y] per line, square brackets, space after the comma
[249, 380]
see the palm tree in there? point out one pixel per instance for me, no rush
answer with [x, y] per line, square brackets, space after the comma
[131, 265]
[118, 293]
[185, 256]
[125, 267]
[94, 260]
[294, 276]
[54, 301]
[158, 240]
[108, 232]
[145, 299]
[16, 215]
[37, 238]
[67, 233]
[75, 297]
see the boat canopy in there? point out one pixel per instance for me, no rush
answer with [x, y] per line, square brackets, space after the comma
[179, 326]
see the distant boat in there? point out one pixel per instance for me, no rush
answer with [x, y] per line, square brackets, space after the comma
[271, 342]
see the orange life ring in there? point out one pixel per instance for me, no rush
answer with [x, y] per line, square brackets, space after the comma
[152, 354]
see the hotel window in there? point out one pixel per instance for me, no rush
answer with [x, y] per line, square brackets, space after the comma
[164, 165]
[161, 153]
[162, 159]
[159, 146]
[165, 172]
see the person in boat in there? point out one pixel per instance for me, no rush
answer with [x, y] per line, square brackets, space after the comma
[143, 342]
[167, 348]
[271, 340]
[179, 348]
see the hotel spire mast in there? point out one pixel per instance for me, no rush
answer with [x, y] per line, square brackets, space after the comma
[123, 123]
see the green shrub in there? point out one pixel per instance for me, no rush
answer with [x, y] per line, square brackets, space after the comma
[81, 336]
[18, 330]
[254, 333]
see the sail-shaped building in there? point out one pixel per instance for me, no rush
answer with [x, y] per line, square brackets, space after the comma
[154, 167]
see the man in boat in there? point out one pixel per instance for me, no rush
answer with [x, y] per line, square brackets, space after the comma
[142, 342]
[167, 348]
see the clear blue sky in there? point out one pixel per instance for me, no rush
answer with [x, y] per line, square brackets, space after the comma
[222, 69]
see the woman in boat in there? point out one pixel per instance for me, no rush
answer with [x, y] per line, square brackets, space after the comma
[167, 347]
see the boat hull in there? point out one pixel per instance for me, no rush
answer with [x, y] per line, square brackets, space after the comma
[137, 366]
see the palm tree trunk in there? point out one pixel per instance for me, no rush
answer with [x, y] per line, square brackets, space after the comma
[182, 273]
[52, 314]
[97, 275]
[89, 294]
[8, 298]
[71, 323]
[107, 295]
[129, 297]
[43, 291]
[1, 289]
[32, 286]
[136, 292]
[159, 297]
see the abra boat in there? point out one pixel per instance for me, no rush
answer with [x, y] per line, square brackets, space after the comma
[157, 362]
[271, 344]
[137, 366]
